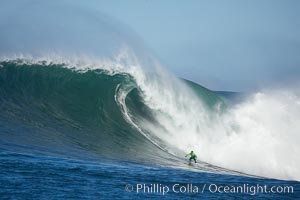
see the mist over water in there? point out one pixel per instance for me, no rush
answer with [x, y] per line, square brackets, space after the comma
[259, 136]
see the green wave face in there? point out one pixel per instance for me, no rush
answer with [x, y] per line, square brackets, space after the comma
[82, 109]
[54, 104]
[209, 97]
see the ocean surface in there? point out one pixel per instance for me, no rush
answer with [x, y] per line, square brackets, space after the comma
[70, 133]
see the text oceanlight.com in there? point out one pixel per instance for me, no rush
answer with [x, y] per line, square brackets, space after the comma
[211, 188]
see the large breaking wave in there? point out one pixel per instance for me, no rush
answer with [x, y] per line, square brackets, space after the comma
[66, 88]
[122, 116]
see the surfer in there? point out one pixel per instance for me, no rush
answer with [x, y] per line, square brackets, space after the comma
[192, 156]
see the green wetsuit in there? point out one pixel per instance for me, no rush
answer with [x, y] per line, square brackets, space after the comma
[191, 155]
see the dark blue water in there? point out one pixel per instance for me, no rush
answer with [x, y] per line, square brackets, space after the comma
[28, 176]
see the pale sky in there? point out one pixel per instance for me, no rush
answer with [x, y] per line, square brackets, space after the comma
[224, 45]
[236, 45]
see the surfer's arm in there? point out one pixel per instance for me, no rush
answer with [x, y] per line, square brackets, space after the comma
[187, 154]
